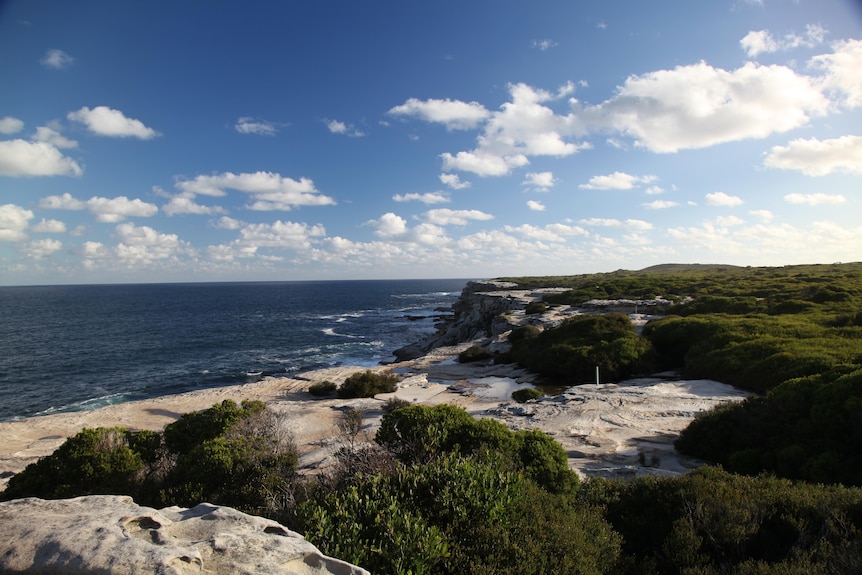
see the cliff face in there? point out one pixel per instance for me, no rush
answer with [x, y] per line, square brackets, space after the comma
[111, 534]
[476, 315]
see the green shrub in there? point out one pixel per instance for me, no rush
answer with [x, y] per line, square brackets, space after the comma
[526, 394]
[474, 353]
[523, 332]
[536, 307]
[367, 384]
[322, 388]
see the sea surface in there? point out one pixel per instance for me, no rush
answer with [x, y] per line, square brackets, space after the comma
[70, 348]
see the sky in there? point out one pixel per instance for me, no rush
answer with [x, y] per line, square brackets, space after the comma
[166, 141]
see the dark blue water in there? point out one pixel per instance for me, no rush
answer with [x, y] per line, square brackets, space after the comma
[66, 348]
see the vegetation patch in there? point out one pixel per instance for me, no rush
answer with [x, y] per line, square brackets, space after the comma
[526, 394]
[368, 384]
[474, 353]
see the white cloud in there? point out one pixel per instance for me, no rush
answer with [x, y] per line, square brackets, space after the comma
[536, 206]
[454, 114]
[247, 125]
[843, 70]
[117, 209]
[616, 181]
[228, 223]
[446, 217]
[269, 191]
[185, 205]
[13, 222]
[555, 233]
[286, 235]
[815, 199]
[728, 221]
[39, 249]
[20, 158]
[427, 198]
[539, 181]
[337, 127]
[53, 137]
[763, 215]
[722, 199]
[389, 225]
[49, 227]
[56, 59]
[818, 157]
[544, 44]
[483, 164]
[454, 181]
[105, 121]
[698, 106]
[760, 41]
[64, 202]
[10, 125]
[654, 190]
[660, 204]
[631, 224]
[141, 245]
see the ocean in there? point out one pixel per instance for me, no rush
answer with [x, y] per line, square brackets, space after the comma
[70, 348]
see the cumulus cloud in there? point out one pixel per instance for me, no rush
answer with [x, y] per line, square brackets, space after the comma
[39, 249]
[20, 158]
[269, 191]
[389, 225]
[761, 41]
[454, 181]
[13, 222]
[56, 59]
[616, 181]
[117, 209]
[141, 245]
[536, 206]
[427, 198]
[228, 223]
[539, 181]
[482, 163]
[286, 235]
[556, 233]
[446, 217]
[49, 227]
[105, 121]
[843, 69]
[630, 224]
[10, 125]
[187, 205]
[722, 199]
[815, 157]
[337, 127]
[53, 137]
[247, 125]
[64, 202]
[660, 204]
[815, 199]
[764, 215]
[454, 114]
[698, 106]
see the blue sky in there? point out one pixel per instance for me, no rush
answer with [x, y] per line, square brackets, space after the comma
[219, 141]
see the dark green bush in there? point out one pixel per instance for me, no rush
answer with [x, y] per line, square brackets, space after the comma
[526, 394]
[322, 388]
[536, 307]
[474, 353]
[523, 332]
[574, 349]
[367, 384]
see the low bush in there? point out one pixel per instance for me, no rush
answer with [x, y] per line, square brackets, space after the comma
[526, 394]
[368, 384]
[322, 388]
[475, 353]
[536, 307]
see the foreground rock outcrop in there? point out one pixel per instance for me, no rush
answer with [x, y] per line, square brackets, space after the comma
[110, 534]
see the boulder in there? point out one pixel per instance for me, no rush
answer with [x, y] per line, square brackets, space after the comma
[110, 534]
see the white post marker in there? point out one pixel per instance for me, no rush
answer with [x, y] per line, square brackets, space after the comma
[597, 376]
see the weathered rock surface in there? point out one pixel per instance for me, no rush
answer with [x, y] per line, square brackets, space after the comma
[110, 534]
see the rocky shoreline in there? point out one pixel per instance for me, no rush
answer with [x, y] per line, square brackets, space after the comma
[613, 429]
